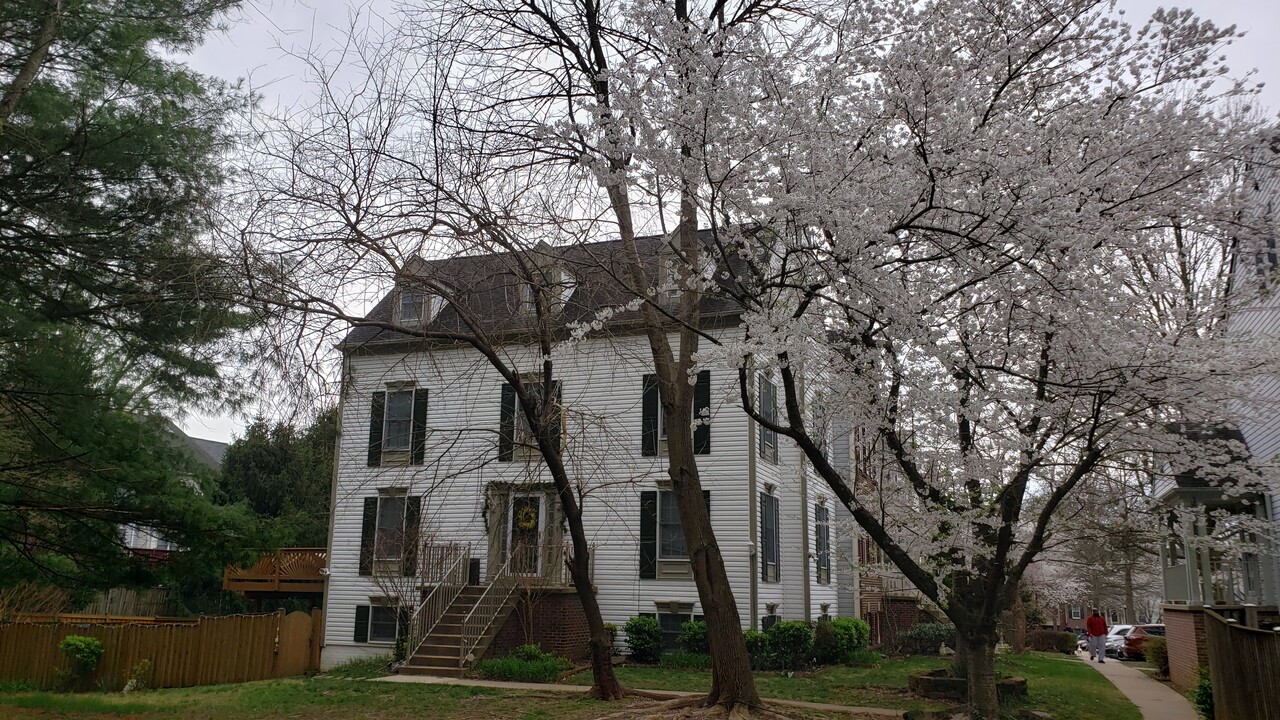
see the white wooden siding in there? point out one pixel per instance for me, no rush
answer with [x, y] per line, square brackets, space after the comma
[601, 390]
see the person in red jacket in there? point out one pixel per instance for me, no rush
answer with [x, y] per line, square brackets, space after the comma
[1096, 626]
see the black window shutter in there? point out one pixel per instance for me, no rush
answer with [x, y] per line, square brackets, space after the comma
[762, 555]
[376, 410]
[412, 522]
[702, 401]
[362, 623]
[649, 416]
[648, 534]
[418, 444]
[368, 525]
[557, 417]
[507, 424]
[777, 536]
[706, 498]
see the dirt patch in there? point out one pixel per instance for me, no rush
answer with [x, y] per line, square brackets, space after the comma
[691, 709]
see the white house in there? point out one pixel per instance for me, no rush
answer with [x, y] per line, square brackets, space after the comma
[431, 457]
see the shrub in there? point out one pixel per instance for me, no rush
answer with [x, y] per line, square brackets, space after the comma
[693, 637]
[83, 652]
[1203, 697]
[1156, 650]
[791, 642]
[527, 663]
[530, 652]
[140, 677]
[835, 642]
[686, 661]
[401, 649]
[1052, 641]
[758, 649]
[926, 638]
[644, 639]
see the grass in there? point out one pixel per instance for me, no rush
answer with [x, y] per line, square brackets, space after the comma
[1061, 685]
[1058, 684]
[361, 668]
[1068, 688]
[884, 685]
[319, 698]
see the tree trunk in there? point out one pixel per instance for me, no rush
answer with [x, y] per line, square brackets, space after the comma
[960, 664]
[35, 58]
[1019, 624]
[1130, 617]
[984, 703]
[732, 683]
[605, 685]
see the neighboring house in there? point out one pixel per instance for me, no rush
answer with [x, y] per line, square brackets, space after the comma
[146, 541]
[433, 456]
[1241, 577]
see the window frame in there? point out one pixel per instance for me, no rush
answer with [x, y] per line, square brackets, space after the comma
[768, 402]
[770, 554]
[394, 610]
[667, 498]
[1077, 612]
[397, 392]
[378, 529]
[822, 543]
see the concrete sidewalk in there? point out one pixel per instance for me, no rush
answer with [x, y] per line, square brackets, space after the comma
[552, 687]
[1156, 700]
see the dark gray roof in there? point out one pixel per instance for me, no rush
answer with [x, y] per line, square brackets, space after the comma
[206, 452]
[488, 288]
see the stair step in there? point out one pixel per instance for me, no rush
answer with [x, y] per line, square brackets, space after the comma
[455, 671]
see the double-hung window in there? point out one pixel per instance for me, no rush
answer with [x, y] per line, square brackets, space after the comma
[383, 623]
[770, 546]
[769, 411]
[822, 543]
[514, 430]
[398, 426]
[389, 533]
[397, 429]
[388, 537]
[670, 532]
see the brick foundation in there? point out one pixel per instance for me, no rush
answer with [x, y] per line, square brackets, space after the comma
[1188, 652]
[897, 614]
[559, 626]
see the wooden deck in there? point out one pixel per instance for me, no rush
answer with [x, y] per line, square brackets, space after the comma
[289, 571]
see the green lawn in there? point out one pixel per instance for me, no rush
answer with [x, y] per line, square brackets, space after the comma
[1058, 684]
[1062, 685]
[884, 686]
[318, 698]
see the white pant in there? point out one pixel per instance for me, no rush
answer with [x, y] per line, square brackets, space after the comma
[1098, 646]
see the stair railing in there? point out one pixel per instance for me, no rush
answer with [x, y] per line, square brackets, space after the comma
[433, 607]
[502, 583]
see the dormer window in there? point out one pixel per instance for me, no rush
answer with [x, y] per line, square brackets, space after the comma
[416, 307]
[412, 306]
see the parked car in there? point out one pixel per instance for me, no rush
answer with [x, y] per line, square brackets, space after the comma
[1136, 638]
[1115, 639]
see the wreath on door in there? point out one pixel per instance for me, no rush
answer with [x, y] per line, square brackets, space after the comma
[527, 518]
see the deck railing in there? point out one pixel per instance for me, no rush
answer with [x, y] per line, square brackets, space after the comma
[501, 584]
[286, 570]
[449, 584]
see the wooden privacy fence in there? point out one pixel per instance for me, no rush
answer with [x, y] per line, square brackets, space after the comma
[1244, 666]
[212, 650]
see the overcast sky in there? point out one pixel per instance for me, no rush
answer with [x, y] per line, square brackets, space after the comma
[263, 34]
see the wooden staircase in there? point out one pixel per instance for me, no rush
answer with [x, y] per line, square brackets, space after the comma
[440, 652]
